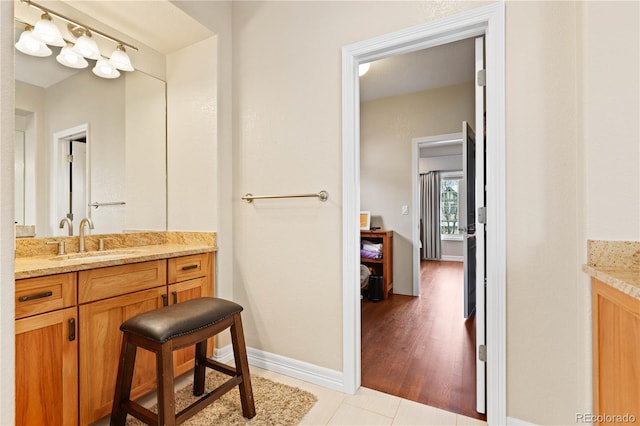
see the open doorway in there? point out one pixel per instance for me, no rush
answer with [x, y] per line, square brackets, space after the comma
[427, 342]
[487, 21]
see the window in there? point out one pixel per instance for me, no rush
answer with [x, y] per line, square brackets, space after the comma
[450, 205]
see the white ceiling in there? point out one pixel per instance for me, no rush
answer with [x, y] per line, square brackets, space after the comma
[173, 29]
[158, 23]
[426, 69]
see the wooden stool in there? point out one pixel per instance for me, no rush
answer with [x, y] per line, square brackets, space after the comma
[167, 329]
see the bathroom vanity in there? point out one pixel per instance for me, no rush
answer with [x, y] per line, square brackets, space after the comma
[614, 268]
[68, 313]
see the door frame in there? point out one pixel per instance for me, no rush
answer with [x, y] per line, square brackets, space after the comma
[416, 144]
[490, 22]
[58, 167]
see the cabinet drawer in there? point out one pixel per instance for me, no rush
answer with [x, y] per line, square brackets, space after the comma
[189, 267]
[44, 294]
[96, 284]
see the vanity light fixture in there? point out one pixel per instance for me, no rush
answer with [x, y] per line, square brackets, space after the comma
[29, 44]
[120, 60]
[34, 41]
[86, 46]
[47, 32]
[70, 58]
[104, 69]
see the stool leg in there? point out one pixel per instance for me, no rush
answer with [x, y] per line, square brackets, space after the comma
[200, 368]
[123, 384]
[166, 400]
[242, 367]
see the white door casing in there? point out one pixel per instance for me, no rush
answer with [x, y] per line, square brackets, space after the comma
[481, 366]
[488, 21]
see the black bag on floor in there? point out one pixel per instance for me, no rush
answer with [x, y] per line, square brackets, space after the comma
[375, 288]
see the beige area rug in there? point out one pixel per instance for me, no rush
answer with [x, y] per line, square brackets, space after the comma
[276, 404]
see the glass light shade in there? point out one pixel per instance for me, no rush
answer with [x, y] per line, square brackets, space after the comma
[120, 60]
[363, 68]
[87, 47]
[105, 70]
[47, 32]
[70, 58]
[30, 45]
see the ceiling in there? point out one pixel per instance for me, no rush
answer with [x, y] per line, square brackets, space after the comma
[439, 66]
[173, 29]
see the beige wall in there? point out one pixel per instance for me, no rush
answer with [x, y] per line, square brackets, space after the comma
[387, 127]
[544, 359]
[192, 146]
[287, 139]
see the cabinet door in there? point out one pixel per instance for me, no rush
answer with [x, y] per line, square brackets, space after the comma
[47, 369]
[183, 359]
[100, 340]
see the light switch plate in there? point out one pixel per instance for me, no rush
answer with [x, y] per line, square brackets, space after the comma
[405, 209]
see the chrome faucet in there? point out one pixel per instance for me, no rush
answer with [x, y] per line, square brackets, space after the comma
[69, 224]
[84, 221]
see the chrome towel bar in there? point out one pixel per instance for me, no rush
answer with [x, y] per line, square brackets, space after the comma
[113, 203]
[322, 195]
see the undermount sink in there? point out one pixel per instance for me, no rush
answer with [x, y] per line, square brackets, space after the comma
[95, 255]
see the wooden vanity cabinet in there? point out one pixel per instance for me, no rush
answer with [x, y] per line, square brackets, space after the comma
[108, 297]
[189, 277]
[616, 353]
[46, 351]
[68, 335]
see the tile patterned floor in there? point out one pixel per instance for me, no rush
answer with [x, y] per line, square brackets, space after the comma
[367, 407]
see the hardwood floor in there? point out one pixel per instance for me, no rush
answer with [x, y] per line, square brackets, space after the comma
[421, 348]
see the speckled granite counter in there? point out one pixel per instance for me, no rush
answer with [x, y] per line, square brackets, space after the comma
[616, 263]
[34, 258]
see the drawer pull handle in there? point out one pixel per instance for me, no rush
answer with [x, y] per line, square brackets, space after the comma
[72, 329]
[165, 300]
[175, 297]
[189, 267]
[35, 296]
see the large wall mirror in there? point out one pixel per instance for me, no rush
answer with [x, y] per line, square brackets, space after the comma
[88, 147]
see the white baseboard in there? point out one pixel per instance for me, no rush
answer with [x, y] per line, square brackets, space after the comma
[453, 258]
[311, 373]
[511, 421]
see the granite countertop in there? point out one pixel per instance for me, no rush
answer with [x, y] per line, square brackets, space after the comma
[34, 263]
[616, 263]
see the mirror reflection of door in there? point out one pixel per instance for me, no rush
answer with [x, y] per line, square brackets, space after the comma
[70, 186]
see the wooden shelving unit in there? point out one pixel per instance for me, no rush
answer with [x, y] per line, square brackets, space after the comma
[384, 266]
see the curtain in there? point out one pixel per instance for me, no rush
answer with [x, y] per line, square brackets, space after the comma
[430, 215]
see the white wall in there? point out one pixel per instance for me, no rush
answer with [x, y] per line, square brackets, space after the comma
[29, 98]
[145, 153]
[192, 141]
[101, 102]
[387, 127]
[610, 117]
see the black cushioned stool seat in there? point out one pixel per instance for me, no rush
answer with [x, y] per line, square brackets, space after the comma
[167, 329]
